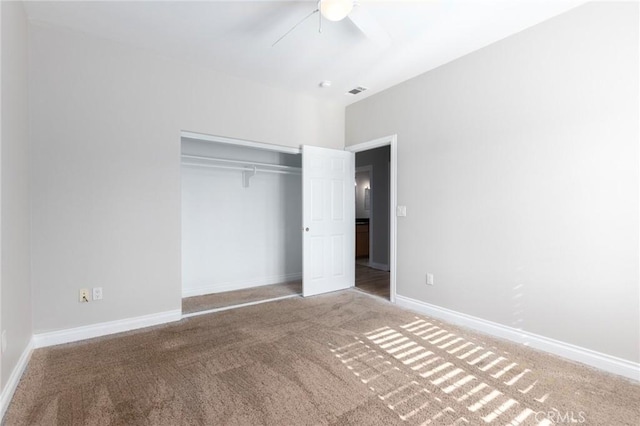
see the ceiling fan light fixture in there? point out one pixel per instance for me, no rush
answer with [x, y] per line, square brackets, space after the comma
[335, 10]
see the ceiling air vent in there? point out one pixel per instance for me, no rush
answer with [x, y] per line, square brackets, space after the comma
[357, 90]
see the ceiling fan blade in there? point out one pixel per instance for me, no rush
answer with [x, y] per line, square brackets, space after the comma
[295, 26]
[369, 26]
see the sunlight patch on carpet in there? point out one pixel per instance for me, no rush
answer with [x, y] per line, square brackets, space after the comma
[427, 375]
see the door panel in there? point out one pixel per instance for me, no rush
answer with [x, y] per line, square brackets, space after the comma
[328, 218]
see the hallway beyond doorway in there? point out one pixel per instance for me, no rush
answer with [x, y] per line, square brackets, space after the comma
[372, 281]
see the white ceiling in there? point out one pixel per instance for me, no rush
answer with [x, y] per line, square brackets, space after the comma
[236, 37]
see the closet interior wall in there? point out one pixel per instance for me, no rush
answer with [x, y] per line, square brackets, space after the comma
[239, 229]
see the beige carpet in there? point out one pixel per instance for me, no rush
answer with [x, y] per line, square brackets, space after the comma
[345, 358]
[238, 297]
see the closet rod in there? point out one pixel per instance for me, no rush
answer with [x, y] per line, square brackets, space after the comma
[246, 163]
[244, 169]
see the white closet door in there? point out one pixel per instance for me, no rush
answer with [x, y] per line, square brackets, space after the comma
[328, 220]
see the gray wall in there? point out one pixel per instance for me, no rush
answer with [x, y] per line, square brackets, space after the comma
[105, 132]
[15, 205]
[378, 159]
[519, 167]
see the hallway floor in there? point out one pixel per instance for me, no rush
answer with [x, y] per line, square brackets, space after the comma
[372, 281]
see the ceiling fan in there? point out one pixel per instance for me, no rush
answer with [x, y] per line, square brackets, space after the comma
[337, 10]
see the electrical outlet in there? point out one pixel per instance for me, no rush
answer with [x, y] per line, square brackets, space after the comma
[4, 341]
[429, 279]
[97, 293]
[83, 295]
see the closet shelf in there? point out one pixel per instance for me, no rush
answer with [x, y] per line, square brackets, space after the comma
[262, 166]
[248, 168]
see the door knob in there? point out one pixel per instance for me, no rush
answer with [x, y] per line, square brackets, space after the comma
[306, 229]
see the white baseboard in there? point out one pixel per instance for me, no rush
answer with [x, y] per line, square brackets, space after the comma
[241, 285]
[599, 360]
[102, 329]
[11, 385]
[379, 266]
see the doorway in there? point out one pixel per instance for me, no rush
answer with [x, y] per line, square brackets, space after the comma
[375, 193]
[241, 219]
[243, 204]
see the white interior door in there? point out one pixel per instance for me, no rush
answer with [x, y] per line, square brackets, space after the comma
[328, 220]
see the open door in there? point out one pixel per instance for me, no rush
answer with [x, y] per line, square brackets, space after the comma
[328, 220]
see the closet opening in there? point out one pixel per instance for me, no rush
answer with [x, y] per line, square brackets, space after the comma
[241, 221]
